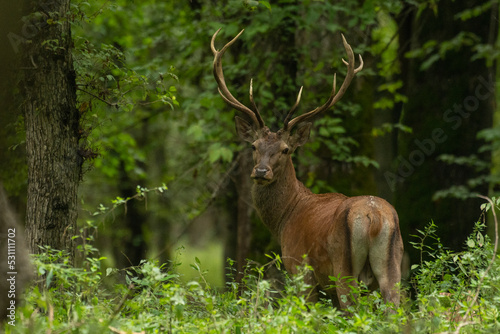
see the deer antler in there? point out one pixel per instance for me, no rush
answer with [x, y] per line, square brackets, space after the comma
[224, 91]
[334, 97]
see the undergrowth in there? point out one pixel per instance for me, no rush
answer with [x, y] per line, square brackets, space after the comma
[454, 292]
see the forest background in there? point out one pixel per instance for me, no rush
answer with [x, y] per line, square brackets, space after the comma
[159, 171]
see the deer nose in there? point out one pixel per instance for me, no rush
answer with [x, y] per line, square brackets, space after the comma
[260, 172]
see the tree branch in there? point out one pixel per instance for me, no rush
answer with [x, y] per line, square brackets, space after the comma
[111, 104]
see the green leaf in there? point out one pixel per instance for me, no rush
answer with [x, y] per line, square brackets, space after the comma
[324, 132]
[48, 280]
[480, 239]
[265, 4]
[428, 63]
[218, 152]
[196, 132]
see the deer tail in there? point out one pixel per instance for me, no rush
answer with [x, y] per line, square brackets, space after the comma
[375, 224]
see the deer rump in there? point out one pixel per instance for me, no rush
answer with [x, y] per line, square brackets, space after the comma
[346, 238]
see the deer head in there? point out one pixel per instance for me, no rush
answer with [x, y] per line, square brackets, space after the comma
[272, 149]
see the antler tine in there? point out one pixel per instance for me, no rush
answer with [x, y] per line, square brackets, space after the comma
[252, 100]
[223, 90]
[334, 96]
[290, 113]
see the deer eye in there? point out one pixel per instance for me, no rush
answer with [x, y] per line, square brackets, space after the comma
[285, 151]
[253, 147]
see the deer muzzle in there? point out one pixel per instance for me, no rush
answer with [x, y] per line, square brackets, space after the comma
[262, 174]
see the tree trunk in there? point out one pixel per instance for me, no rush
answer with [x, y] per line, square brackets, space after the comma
[244, 211]
[448, 104]
[130, 248]
[52, 126]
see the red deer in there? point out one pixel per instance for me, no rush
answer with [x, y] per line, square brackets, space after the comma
[345, 237]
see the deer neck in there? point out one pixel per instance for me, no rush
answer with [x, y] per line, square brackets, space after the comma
[276, 201]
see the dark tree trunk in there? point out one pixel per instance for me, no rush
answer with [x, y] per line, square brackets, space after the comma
[239, 203]
[52, 126]
[448, 104]
[130, 248]
[243, 212]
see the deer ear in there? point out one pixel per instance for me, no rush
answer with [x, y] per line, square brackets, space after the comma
[301, 135]
[245, 130]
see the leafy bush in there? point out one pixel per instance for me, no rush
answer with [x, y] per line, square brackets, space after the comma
[454, 290]
[448, 292]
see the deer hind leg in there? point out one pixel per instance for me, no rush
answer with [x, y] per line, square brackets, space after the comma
[343, 289]
[350, 257]
[312, 293]
[385, 261]
[352, 267]
[356, 265]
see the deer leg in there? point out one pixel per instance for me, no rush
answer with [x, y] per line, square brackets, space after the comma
[344, 295]
[386, 266]
[355, 267]
[345, 283]
[294, 267]
[312, 295]
[387, 281]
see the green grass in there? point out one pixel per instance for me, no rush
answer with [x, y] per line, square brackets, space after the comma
[452, 291]
[210, 257]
